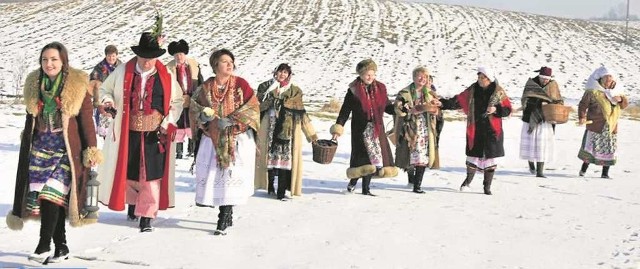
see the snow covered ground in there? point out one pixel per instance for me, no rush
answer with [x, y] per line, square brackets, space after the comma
[563, 221]
[560, 222]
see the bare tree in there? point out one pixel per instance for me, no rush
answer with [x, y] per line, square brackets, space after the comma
[19, 70]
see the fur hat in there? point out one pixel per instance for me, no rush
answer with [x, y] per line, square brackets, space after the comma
[366, 65]
[148, 47]
[179, 46]
[545, 72]
[487, 72]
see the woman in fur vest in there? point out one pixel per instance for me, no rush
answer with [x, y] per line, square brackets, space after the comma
[283, 120]
[227, 111]
[370, 151]
[601, 104]
[536, 139]
[58, 147]
[415, 127]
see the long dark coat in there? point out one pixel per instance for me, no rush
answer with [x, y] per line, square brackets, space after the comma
[351, 105]
[485, 136]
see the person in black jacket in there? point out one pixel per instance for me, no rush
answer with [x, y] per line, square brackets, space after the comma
[485, 102]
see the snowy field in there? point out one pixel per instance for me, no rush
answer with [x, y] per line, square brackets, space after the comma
[563, 221]
[324, 39]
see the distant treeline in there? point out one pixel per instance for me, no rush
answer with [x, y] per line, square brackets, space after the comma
[617, 13]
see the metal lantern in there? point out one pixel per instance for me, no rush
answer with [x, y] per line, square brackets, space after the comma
[91, 205]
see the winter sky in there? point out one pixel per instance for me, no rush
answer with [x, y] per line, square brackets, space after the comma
[563, 8]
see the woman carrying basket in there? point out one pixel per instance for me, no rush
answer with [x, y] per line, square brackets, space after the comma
[536, 139]
[283, 121]
[370, 151]
[601, 105]
[415, 127]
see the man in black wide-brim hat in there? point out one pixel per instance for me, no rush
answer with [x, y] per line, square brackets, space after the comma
[140, 166]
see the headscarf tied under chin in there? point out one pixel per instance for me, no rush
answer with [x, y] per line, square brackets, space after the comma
[593, 83]
[604, 97]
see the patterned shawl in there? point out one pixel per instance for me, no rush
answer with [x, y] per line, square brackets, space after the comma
[227, 103]
[467, 102]
[372, 100]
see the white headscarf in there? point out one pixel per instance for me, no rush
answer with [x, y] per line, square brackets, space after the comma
[593, 84]
[488, 72]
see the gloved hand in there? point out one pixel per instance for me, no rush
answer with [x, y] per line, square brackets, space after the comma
[205, 118]
[207, 114]
[224, 123]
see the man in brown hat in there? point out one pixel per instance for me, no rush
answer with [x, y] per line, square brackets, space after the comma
[148, 102]
[187, 72]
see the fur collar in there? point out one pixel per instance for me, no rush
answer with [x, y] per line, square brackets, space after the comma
[71, 97]
[193, 67]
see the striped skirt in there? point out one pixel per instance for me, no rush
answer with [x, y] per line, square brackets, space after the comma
[599, 148]
[49, 171]
[538, 145]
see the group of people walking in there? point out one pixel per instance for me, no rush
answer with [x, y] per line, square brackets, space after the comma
[244, 140]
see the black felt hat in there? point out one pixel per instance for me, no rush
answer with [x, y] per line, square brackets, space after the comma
[148, 47]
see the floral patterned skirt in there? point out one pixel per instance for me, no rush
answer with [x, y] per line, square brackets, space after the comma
[420, 154]
[49, 171]
[279, 154]
[599, 148]
[372, 144]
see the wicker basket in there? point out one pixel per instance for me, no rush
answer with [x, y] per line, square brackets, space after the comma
[556, 113]
[324, 150]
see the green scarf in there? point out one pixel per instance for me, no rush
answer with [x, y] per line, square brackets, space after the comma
[49, 90]
[414, 93]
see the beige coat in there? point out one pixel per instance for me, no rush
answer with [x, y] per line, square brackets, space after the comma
[305, 127]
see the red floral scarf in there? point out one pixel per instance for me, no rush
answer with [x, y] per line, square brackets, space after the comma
[373, 101]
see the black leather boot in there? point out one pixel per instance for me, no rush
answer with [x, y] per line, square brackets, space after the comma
[540, 170]
[488, 178]
[352, 185]
[605, 172]
[471, 172]
[179, 150]
[60, 239]
[366, 181]
[417, 180]
[190, 148]
[583, 169]
[532, 168]
[283, 183]
[230, 217]
[131, 216]
[222, 224]
[145, 225]
[49, 213]
[271, 175]
[411, 174]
